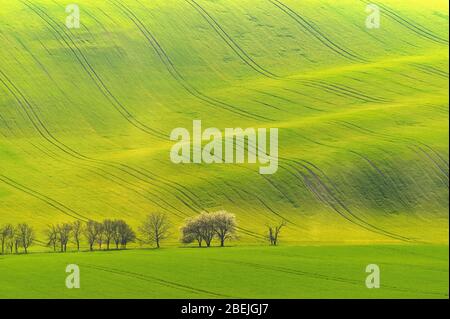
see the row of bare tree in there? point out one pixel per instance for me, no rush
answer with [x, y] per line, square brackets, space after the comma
[13, 238]
[116, 232]
[203, 228]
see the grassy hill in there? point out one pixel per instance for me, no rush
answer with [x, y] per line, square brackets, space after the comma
[261, 272]
[86, 114]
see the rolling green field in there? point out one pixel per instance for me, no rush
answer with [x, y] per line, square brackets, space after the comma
[86, 115]
[262, 272]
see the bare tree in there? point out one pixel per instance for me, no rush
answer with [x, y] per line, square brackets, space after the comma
[77, 230]
[17, 239]
[192, 231]
[207, 227]
[122, 234]
[116, 236]
[155, 228]
[127, 234]
[52, 236]
[5, 234]
[64, 231]
[224, 225]
[100, 234]
[25, 236]
[109, 228]
[274, 232]
[91, 233]
[11, 240]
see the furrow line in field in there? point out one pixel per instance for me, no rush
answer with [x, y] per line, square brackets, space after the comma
[247, 231]
[325, 198]
[207, 181]
[332, 200]
[281, 192]
[125, 184]
[175, 185]
[45, 133]
[392, 184]
[5, 124]
[195, 206]
[177, 76]
[440, 172]
[267, 206]
[157, 280]
[333, 88]
[414, 27]
[387, 180]
[342, 91]
[443, 170]
[68, 41]
[316, 275]
[315, 32]
[320, 188]
[201, 208]
[432, 71]
[49, 201]
[285, 100]
[315, 98]
[247, 59]
[394, 139]
[239, 51]
[80, 156]
[352, 91]
[437, 154]
[292, 271]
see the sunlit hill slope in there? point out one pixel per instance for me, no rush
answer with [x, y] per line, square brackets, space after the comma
[86, 114]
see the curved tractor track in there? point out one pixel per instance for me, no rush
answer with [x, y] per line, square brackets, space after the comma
[327, 192]
[189, 199]
[414, 27]
[244, 56]
[138, 175]
[314, 31]
[47, 200]
[177, 76]
[328, 195]
[432, 155]
[66, 39]
[159, 281]
[340, 90]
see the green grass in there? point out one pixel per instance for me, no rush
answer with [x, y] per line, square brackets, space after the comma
[407, 271]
